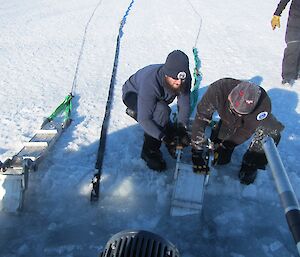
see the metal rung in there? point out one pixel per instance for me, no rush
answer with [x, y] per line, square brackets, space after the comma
[13, 171]
[35, 144]
[47, 131]
[187, 204]
[33, 158]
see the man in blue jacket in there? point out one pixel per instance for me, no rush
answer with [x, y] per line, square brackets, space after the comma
[147, 95]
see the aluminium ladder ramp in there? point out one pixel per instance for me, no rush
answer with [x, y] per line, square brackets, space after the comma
[187, 198]
[14, 171]
[189, 187]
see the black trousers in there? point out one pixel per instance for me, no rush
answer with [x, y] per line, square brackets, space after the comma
[161, 116]
[224, 149]
[130, 101]
[291, 60]
[161, 113]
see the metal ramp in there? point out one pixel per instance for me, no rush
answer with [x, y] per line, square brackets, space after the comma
[40, 143]
[188, 193]
[15, 171]
[187, 196]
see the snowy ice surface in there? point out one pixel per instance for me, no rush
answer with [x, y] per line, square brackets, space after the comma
[39, 49]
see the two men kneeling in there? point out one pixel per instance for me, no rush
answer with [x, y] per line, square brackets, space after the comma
[244, 109]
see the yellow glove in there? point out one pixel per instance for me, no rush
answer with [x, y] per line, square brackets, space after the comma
[275, 22]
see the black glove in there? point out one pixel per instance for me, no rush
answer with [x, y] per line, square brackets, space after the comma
[170, 142]
[183, 137]
[167, 139]
[199, 164]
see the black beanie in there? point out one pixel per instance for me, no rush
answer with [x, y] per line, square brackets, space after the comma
[176, 62]
[244, 97]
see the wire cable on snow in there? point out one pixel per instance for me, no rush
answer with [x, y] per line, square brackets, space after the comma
[66, 106]
[74, 84]
[200, 22]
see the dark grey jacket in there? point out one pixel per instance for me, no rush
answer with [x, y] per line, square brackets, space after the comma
[235, 129]
[150, 86]
[293, 25]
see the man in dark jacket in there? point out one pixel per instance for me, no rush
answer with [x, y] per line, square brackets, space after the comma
[291, 58]
[147, 95]
[245, 110]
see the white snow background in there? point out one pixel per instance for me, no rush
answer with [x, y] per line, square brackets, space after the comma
[40, 44]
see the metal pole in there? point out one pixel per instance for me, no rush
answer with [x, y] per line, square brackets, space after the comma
[287, 195]
[178, 158]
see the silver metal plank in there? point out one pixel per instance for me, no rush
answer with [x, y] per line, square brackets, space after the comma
[46, 131]
[11, 192]
[188, 191]
[34, 144]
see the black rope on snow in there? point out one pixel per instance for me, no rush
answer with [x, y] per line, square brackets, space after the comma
[105, 123]
[74, 84]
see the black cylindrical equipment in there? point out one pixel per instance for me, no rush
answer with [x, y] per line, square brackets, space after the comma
[140, 243]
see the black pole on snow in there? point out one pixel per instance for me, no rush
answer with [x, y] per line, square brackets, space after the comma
[101, 149]
[284, 188]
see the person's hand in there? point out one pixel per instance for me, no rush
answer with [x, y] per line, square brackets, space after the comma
[171, 144]
[183, 136]
[199, 164]
[168, 140]
[275, 22]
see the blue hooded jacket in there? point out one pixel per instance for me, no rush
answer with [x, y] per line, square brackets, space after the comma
[150, 86]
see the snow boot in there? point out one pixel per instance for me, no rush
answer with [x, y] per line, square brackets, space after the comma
[152, 155]
[247, 174]
[131, 113]
[288, 82]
